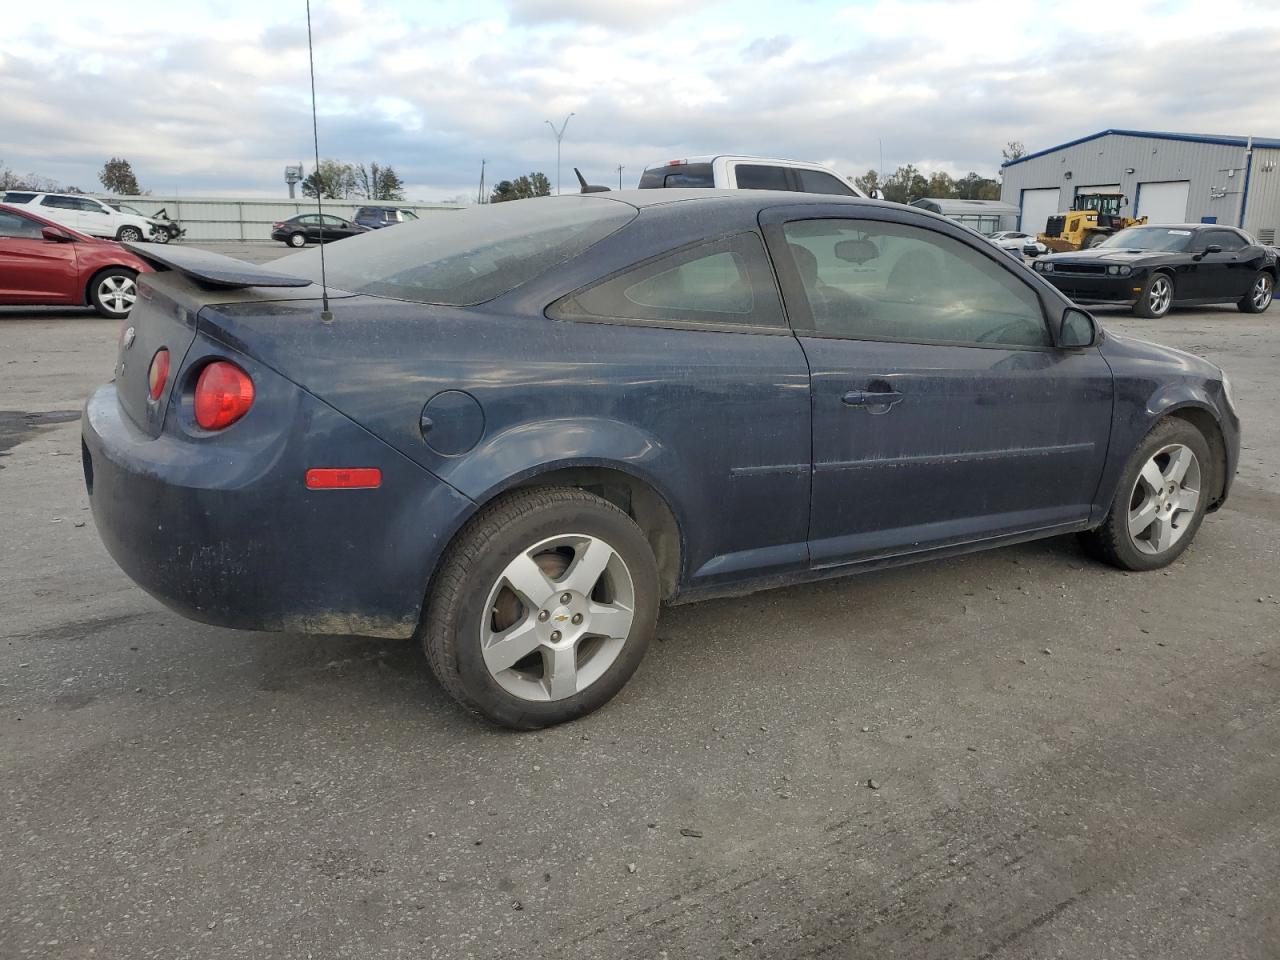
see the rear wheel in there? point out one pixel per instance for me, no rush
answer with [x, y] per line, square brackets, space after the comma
[113, 292]
[1156, 297]
[1160, 502]
[297, 240]
[543, 608]
[1260, 294]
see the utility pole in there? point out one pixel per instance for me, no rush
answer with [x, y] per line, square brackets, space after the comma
[559, 136]
[620, 169]
[480, 192]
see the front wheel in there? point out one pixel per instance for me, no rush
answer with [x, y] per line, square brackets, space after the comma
[129, 235]
[1156, 297]
[1160, 502]
[543, 608]
[297, 240]
[160, 236]
[113, 292]
[1260, 294]
[1093, 240]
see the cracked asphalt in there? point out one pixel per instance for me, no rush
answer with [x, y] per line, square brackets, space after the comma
[1069, 761]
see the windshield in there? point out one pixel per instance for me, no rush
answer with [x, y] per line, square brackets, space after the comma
[467, 257]
[1169, 239]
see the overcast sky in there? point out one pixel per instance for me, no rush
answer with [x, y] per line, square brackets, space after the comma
[212, 97]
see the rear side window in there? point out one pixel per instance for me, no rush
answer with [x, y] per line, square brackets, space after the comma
[469, 256]
[815, 181]
[722, 282]
[757, 176]
[16, 197]
[678, 175]
[60, 203]
[1228, 240]
[407, 215]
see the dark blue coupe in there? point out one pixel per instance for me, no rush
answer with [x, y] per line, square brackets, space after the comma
[517, 430]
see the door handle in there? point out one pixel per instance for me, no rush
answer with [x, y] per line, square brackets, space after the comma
[872, 398]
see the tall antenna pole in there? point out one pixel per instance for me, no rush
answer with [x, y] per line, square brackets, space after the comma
[620, 169]
[559, 136]
[325, 315]
[480, 192]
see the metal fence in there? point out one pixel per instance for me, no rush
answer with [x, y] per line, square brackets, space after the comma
[229, 218]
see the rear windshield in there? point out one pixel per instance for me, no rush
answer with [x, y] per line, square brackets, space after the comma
[467, 257]
[680, 175]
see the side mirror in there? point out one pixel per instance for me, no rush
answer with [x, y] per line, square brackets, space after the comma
[1078, 329]
[1211, 248]
[876, 193]
[54, 235]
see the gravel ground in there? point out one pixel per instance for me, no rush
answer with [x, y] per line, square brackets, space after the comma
[1067, 761]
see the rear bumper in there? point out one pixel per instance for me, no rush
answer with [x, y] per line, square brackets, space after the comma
[229, 534]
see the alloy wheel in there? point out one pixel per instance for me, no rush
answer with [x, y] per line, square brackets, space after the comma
[1163, 502]
[1160, 295]
[558, 617]
[1262, 293]
[118, 293]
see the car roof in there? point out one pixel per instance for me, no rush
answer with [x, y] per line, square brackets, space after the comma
[653, 198]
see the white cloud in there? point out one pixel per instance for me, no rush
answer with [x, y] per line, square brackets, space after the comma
[216, 99]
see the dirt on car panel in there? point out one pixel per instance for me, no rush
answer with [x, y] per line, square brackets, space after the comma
[18, 426]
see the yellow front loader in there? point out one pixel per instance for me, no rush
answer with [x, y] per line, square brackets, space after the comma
[1092, 218]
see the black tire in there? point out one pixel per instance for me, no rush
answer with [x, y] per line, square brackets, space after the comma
[160, 236]
[100, 294]
[474, 563]
[129, 235]
[1112, 542]
[1093, 239]
[297, 240]
[1153, 303]
[1261, 293]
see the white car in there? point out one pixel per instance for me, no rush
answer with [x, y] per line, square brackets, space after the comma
[749, 173]
[1021, 242]
[85, 214]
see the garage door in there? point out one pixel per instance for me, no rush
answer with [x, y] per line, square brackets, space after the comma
[1164, 202]
[1037, 207]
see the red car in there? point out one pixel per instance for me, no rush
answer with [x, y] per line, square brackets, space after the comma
[42, 263]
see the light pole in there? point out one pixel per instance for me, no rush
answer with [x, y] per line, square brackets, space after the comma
[559, 136]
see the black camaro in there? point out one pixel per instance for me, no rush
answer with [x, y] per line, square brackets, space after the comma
[1152, 268]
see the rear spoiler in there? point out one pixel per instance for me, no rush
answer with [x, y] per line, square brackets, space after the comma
[212, 269]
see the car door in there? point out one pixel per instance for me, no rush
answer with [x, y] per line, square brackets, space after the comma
[335, 228]
[97, 219]
[1227, 274]
[33, 269]
[942, 412]
[63, 210]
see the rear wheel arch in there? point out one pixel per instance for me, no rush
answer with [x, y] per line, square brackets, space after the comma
[634, 495]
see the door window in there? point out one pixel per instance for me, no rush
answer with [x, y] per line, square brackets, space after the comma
[757, 176]
[725, 281]
[1229, 240]
[815, 181]
[60, 203]
[871, 280]
[331, 221]
[12, 225]
[88, 206]
[309, 219]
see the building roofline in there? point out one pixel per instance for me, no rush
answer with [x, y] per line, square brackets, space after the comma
[1227, 141]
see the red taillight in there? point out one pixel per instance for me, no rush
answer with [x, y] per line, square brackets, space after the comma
[224, 394]
[277, 226]
[676, 163]
[158, 376]
[343, 478]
